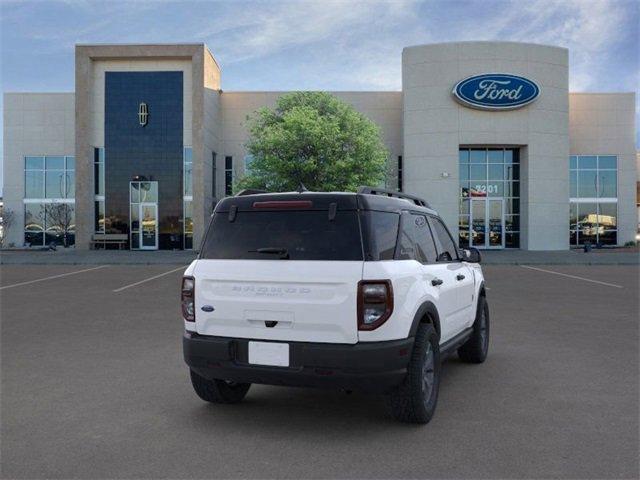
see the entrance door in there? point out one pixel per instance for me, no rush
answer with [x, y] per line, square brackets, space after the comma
[144, 215]
[487, 223]
[148, 226]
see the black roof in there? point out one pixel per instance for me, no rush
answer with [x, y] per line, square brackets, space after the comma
[378, 199]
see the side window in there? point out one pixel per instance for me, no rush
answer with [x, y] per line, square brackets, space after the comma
[447, 251]
[416, 242]
[381, 230]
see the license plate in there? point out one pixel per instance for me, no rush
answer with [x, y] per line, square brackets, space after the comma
[269, 353]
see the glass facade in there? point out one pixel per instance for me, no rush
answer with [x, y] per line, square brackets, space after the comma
[145, 151]
[49, 200]
[187, 207]
[228, 175]
[593, 211]
[489, 198]
[98, 184]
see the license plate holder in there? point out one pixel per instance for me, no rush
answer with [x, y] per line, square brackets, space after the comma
[273, 354]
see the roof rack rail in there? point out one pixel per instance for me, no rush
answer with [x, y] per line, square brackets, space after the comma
[249, 191]
[391, 193]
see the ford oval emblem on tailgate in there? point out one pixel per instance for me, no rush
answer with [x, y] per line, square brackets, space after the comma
[207, 308]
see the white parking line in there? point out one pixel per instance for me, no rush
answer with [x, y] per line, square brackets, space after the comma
[573, 276]
[148, 279]
[52, 277]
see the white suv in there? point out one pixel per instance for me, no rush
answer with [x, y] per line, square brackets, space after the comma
[357, 291]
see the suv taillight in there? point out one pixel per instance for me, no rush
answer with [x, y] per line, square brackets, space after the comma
[187, 297]
[375, 303]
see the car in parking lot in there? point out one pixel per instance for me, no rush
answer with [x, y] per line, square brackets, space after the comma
[357, 291]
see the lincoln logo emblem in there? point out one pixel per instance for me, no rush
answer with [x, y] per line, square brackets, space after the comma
[143, 114]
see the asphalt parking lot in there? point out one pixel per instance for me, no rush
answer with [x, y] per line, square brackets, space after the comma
[94, 386]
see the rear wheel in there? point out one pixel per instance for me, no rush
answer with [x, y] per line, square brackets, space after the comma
[475, 349]
[218, 391]
[414, 401]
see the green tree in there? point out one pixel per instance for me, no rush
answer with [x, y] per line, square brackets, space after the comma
[316, 139]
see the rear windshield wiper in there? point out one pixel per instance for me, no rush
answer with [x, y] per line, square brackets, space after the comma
[284, 254]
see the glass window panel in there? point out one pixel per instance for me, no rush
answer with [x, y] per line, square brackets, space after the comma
[188, 179]
[101, 155]
[463, 156]
[587, 161]
[573, 184]
[463, 231]
[34, 238]
[71, 184]
[135, 192]
[496, 172]
[495, 156]
[509, 157]
[512, 171]
[608, 161]
[71, 163]
[98, 172]
[607, 184]
[478, 172]
[228, 163]
[573, 216]
[478, 156]
[464, 171]
[34, 163]
[495, 189]
[511, 206]
[512, 240]
[512, 189]
[587, 216]
[33, 217]
[587, 183]
[464, 189]
[608, 237]
[478, 189]
[512, 223]
[608, 213]
[148, 192]
[99, 216]
[54, 187]
[54, 163]
[34, 184]
[464, 206]
[188, 155]
[573, 238]
[573, 162]
[188, 217]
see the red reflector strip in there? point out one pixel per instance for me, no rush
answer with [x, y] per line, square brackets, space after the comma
[284, 204]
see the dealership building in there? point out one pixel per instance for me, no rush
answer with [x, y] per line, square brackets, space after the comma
[487, 132]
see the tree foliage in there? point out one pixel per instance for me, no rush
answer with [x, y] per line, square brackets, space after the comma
[316, 139]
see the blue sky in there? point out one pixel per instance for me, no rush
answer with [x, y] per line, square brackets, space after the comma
[322, 45]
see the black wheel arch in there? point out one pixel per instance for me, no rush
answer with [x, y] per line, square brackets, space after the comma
[427, 313]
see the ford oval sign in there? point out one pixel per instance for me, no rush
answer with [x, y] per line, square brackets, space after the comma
[496, 91]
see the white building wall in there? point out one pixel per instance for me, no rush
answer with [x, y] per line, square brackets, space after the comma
[34, 124]
[435, 126]
[604, 124]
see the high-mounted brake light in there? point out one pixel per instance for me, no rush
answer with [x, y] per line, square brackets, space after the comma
[187, 297]
[375, 303]
[275, 204]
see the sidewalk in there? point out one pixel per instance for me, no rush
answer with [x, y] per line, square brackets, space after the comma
[620, 256]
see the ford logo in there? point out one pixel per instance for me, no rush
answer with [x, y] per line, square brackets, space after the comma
[496, 91]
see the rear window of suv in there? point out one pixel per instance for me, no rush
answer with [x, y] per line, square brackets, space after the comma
[294, 235]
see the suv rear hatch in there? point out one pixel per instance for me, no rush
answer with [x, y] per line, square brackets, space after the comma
[281, 267]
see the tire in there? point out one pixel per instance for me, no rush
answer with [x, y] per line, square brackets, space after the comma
[414, 401]
[475, 349]
[218, 391]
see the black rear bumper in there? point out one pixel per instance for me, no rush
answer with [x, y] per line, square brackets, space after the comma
[371, 366]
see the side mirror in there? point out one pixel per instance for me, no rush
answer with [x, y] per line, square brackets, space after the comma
[471, 255]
